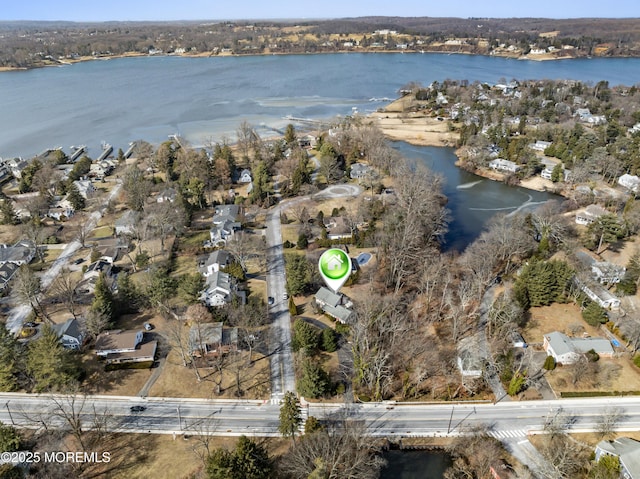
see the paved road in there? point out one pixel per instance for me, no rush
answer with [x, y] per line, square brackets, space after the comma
[281, 359]
[20, 312]
[505, 421]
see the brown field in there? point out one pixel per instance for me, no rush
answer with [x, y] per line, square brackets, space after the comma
[616, 374]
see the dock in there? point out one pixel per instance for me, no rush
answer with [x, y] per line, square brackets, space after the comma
[129, 151]
[78, 150]
[107, 149]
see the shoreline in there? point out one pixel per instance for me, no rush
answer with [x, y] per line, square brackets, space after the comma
[67, 62]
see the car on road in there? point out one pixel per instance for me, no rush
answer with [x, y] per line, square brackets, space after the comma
[285, 296]
[138, 408]
[30, 324]
[78, 261]
[147, 326]
[270, 300]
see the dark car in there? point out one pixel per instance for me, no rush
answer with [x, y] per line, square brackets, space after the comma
[137, 408]
[270, 300]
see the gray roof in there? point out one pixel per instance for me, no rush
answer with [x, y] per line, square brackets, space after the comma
[219, 256]
[16, 253]
[220, 280]
[128, 218]
[563, 344]
[328, 297]
[628, 450]
[71, 327]
[210, 334]
[226, 213]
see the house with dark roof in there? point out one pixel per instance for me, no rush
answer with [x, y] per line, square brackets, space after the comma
[627, 450]
[118, 346]
[212, 339]
[20, 253]
[70, 333]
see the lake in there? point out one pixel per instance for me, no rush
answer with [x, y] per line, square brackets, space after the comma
[205, 99]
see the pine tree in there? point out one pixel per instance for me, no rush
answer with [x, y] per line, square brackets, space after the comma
[50, 366]
[290, 415]
[9, 216]
[250, 461]
[557, 174]
[8, 366]
[75, 198]
[314, 382]
[103, 301]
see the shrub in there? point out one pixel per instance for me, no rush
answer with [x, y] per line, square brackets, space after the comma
[636, 360]
[549, 363]
[592, 356]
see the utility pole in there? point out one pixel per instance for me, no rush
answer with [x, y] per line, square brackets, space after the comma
[450, 419]
[9, 411]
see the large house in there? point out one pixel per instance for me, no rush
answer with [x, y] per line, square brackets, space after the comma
[212, 339]
[504, 165]
[567, 350]
[118, 346]
[627, 450]
[85, 188]
[70, 334]
[218, 289]
[226, 221]
[338, 228]
[20, 253]
[334, 304]
[596, 292]
[631, 182]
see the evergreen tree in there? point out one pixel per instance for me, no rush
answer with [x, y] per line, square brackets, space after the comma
[557, 174]
[128, 298]
[103, 301]
[75, 198]
[49, 365]
[594, 314]
[314, 382]
[219, 464]
[8, 365]
[542, 283]
[261, 186]
[606, 229]
[189, 287]
[9, 439]
[298, 274]
[305, 336]
[290, 415]
[251, 461]
[290, 134]
[329, 340]
[9, 216]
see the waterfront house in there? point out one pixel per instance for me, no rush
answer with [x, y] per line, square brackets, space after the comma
[359, 171]
[70, 334]
[630, 182]
[212, 339]
[590, 214]
[567, 350]
[504, 165]
[125, 346]
[627, 450]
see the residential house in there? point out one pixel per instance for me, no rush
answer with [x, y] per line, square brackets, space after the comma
[16, 165]
[338, 227]
[214, 262]
[85, 188]
[20, 253]
[359, 171]
[590, 214]
[540, 145]
[504, 165]
[307, 141]
[126, 224]
[335, 305]
[582, 113]
[168, 194]
[607, 273]
[70, 333]
[118, 346]
[226, 221]
[245, 176]
[7, 270]
[595, 292]
[218, 289]
[109, 254]
[212, 339]
[631, 182]
[91, 275]
[627, 450]
[567, 350]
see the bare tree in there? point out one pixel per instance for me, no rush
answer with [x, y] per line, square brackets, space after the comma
[609, 420]
[203, 432]
[27, 287]
[245, 246]
[164, 218]
[96, 321]
[64, 287]
[177, 335]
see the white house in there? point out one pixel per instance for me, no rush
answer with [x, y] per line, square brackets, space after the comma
[85, 188]
[359, 171]
[627, 450]
[70, 334]
[245, 176]
[504, 165]
[566, 350]
[218, 289]
[540, 145]
[631, 182]
[335, 305]
[590, 214]
[214, 262]
[168, 194]
[595, 292]
[607, 273]
[126, 224]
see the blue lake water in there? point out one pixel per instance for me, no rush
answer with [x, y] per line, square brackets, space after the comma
[205, 99]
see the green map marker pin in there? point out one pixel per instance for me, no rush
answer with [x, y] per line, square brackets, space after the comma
[335, 268]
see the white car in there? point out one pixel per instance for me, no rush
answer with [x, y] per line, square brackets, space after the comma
[285, 296]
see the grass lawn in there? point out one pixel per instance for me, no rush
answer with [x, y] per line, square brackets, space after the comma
[101, 232]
